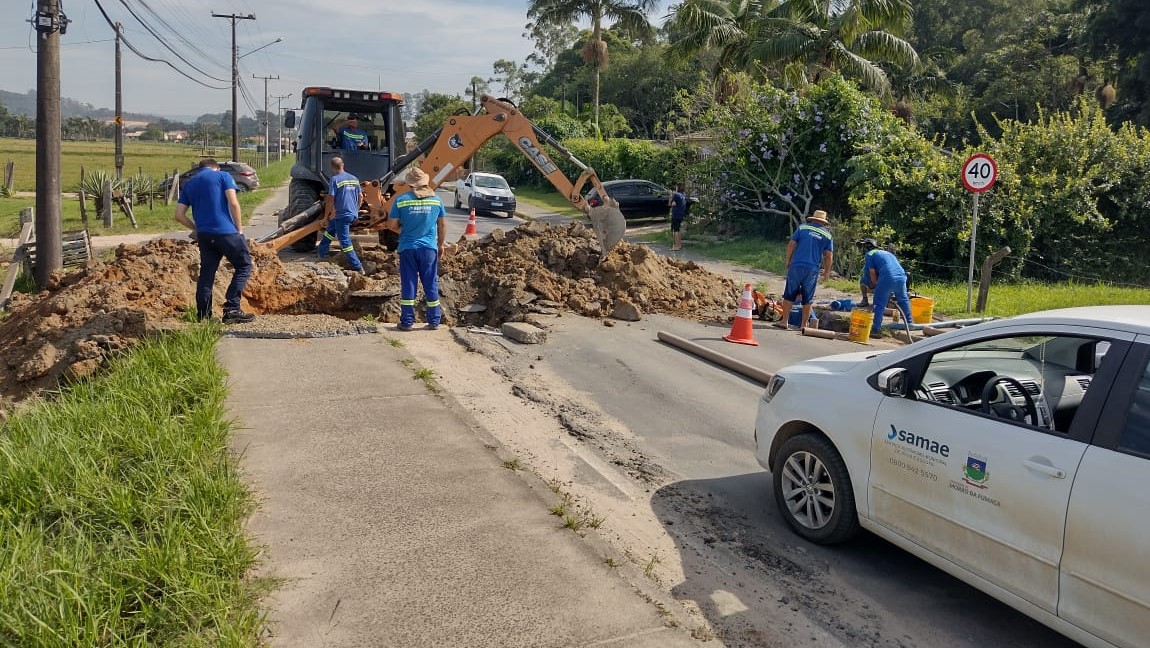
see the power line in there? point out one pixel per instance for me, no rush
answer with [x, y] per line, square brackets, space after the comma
[87, 42]
[163, 42]
[178, 33]
[140, 54]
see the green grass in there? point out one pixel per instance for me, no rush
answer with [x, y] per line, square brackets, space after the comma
[750, 252]
[158, 219]
[121, 509]
[1005, 299]
[548, 199]
[154, 158]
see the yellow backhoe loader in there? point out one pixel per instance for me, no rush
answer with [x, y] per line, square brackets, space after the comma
[441, 156]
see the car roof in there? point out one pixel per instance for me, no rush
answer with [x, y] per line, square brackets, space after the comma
[488, 175]
[1129, 317]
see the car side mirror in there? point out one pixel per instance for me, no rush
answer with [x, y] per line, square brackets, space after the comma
[289, 119]
[512, 189]
[893, 382]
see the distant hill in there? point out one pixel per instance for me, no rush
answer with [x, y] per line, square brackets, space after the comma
[25, 104]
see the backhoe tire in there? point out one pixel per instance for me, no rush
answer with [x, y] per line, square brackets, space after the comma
[389, 240]
[301, 195]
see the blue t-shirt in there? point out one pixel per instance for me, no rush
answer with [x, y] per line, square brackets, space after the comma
[344, 188]
[678, 205]
[885, 265]
[206, 194]
[811, 242]
[352, 139]
[419, 218]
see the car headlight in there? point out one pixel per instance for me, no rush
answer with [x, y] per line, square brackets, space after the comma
[773, 386]
[479, 195]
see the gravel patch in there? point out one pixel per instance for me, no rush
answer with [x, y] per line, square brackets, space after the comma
[299, 326]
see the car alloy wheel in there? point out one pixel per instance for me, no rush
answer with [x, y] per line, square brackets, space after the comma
[808, 490]
[813, 490]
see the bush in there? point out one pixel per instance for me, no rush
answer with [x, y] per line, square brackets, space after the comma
[781, 155]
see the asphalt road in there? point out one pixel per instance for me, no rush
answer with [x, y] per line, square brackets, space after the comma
[697, 421]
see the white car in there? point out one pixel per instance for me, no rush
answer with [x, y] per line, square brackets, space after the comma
[1014, 455]
[485, 193]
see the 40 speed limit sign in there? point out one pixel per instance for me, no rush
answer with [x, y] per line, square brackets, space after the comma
[979, 173]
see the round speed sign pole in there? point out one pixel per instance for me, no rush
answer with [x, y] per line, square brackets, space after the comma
[978, 174]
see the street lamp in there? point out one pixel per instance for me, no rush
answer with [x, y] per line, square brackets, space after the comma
[261, 47]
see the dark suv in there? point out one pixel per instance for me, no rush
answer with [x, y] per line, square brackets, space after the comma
[244, 175]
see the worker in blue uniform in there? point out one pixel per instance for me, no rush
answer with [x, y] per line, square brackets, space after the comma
[423, 230]
[885, 276]
[351, 136]
[345, 192]
[217, 226]
[811, 247]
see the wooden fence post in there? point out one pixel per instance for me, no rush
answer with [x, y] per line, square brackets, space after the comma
[173, 188]
[9, 175]
[84, 208]
[984, 278]
[107, 203]
[18, 258]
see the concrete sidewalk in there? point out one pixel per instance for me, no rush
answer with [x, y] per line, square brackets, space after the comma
[392, 520]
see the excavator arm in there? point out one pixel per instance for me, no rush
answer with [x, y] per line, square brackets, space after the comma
[447, 150]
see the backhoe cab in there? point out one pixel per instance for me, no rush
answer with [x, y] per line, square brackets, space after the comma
[441, 155]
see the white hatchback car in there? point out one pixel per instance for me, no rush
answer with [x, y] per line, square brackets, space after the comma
[1014, 455]
[485, 193]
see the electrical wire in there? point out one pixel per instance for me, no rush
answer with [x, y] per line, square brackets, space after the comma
[165, 44]
[140, 54]
[177, 33]
[74, 44]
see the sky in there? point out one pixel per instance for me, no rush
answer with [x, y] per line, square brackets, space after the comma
[436, 45]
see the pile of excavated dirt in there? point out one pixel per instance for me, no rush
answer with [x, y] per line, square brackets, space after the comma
[540, 269]
[69, 331]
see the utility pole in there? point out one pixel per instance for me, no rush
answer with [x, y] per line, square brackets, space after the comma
[235, 80]
[280, 125]
[49, 24]
[119, 109]
[267, 145]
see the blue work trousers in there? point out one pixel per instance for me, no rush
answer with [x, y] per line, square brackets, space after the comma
[213, 249]
[883, 290]
[340, 229]
[419, 265]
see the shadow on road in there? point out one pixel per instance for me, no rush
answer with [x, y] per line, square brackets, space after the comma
[758, 584]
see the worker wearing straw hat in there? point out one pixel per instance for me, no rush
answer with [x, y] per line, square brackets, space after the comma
[422, 233]
[811, 247]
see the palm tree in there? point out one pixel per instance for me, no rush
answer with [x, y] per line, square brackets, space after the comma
[630, 15]
[808, 38]
[727, 25]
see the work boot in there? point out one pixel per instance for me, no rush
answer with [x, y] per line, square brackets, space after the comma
[403, 327]
[238, 317]
[864, 303]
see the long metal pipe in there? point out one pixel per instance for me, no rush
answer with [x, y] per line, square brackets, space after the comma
[725, 361]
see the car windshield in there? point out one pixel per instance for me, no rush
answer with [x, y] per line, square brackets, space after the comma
[1017, 345]
[490, 182]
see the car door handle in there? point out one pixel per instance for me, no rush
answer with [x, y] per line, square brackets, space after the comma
[1044, 468]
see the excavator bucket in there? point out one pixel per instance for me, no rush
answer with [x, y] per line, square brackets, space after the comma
[609, 226]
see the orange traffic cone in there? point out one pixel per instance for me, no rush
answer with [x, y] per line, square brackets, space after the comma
[471, 230]
[742, 331]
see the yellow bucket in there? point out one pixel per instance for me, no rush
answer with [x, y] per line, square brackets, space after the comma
[861, 320]
[921, 310]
